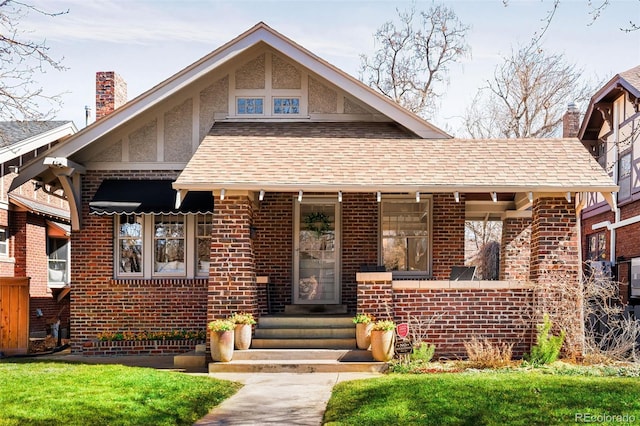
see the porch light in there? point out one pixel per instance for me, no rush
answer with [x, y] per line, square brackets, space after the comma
[494, 197]
[261, 196]
[379, 196]
[530, 195]
[222, 191]
[418, 197]
[300, 196]
[339, 196]
[569, 197]
[456, 195]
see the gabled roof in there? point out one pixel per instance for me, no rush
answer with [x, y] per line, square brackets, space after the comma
[280, 157]
[260, 33]
[19, 137]
[627, 81]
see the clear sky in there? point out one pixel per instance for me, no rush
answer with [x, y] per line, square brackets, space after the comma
[147, 41]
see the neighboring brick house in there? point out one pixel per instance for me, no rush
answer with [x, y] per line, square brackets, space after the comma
[34, 223]
[610, 130]
[262, 177]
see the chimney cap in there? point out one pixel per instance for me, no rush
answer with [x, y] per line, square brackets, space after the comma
[571, 107]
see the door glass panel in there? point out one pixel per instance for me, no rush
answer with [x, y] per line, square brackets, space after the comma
[317, 274]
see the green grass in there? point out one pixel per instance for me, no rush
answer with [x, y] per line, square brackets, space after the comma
[59, 393]
[482, 398]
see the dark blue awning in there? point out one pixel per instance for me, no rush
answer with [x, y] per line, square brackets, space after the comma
[146, 197]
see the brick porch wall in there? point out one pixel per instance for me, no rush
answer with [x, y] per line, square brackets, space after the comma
[515, 250]
[101, 304]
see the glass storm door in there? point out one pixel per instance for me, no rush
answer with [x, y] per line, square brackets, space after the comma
[316, 252]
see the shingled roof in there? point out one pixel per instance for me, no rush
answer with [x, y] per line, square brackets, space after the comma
[335, 156]
[12, 132]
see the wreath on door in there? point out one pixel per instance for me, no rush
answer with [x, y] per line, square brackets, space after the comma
[318, 223]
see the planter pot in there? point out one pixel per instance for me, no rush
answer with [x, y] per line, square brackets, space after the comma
[382, 345]
[363, 335]
[242, 336]
[222, 345]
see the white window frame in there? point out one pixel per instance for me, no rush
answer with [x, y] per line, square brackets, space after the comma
[253, 114]
[67, 261]
[148, 245]
[4, 242]
[407, 199]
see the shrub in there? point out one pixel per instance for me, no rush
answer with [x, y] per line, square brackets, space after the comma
[547, 347]
[423, 352]
[486, 354]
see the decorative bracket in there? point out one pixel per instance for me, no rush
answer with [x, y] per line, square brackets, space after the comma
[68, 173]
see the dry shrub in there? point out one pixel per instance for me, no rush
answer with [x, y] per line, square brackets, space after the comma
[487, 354]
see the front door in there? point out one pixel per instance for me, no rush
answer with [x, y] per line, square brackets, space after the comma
[317, 252]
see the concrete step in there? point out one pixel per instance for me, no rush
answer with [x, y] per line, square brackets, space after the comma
[189, 360]
[327, 343]
[296, 366]
[305, 321]
[305, 333]
[343, 355]
[315, 309]
[299, 361]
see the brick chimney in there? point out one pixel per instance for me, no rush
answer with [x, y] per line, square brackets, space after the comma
[111, 93]
[571, 122]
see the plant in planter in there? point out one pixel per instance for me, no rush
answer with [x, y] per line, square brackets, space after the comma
[383, 340]
[243, 322]
[222, 340]
[364, 323]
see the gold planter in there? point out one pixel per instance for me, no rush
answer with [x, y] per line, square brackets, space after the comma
[363, 335]
[242, 336]
[382, 345]
[222, 345]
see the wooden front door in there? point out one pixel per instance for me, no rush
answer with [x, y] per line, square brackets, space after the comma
[317, 252]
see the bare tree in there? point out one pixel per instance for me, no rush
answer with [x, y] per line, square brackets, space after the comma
[414, 56]
[527, 96]
[22, 59]
[596, 8]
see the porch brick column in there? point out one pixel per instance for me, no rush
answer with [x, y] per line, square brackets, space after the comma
[555, 268]
[232, 277]
[515, 249]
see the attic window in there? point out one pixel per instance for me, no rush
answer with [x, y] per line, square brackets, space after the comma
[249, 106]
[286, 105]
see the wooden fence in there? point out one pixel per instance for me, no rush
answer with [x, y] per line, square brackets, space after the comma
[14, 315]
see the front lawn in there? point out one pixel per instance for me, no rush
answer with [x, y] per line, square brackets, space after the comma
[59, 393]
[485, 398]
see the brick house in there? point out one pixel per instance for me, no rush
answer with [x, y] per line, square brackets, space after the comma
[34, 223]
[261, 177]
[610, 132]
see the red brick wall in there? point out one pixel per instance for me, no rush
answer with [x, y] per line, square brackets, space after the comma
[455, 316]
[273, 247]
[101, 304]
[232, 278]
[359, 241]
[450, 317]
[448, 234]
[515, 250]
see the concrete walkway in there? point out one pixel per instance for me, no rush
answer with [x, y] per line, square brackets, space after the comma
[294, 399]
[277, 398]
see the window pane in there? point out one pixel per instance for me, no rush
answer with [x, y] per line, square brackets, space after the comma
[286, 106]
[169, 245]
[249, 106]
[4, 246]
[129, 246]
[405, 236]
[58, 259]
